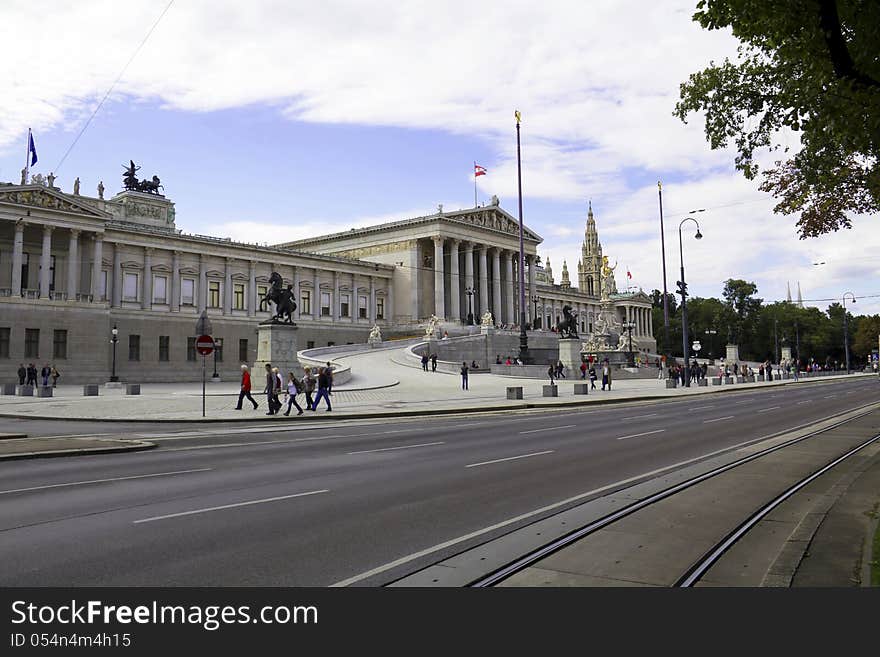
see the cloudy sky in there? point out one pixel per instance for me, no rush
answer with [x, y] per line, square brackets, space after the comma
[271, 121]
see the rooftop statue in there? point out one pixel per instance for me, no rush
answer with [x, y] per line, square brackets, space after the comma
[130, 181]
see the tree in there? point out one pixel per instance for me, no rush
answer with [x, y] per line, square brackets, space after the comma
[810, 66]
[866, 335]
[743, 308]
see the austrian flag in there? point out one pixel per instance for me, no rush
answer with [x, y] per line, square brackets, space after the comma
[628, 275]
[478, 170]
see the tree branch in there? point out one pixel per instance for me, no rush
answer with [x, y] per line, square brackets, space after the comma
[841, 60]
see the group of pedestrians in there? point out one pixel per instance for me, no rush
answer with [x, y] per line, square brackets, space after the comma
[320, 378]
[429, 358]
[28, 375]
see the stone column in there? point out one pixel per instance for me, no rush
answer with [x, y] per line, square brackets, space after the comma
[45, 262]
[484, 283]
[17, 257]
[529, 304]
[73, 265]
[296, 293]
[496, 285]
[147, 283]
[371, 313]
[97, 267]
[415, 265]
[439, 300]
[116, 298]
[316, 296]
[454, 282]
[203, 283]
[227, 287]
[469, 279]
[174, 287]
[336, 301]
[389, 300]
[353, 300]
[509, 306]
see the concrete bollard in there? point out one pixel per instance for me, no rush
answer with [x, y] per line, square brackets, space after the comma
[671, 383]
[9, 388]
[581, 388]
[750, 379]
[551, 391]
[132, 388]
[703, 382]
[514, 392]
[24, 391]
[90, 390]
[730, 380]
[44, 391]
[716, 382]
[784, 376]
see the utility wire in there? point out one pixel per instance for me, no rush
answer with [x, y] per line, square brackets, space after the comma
[112, 86]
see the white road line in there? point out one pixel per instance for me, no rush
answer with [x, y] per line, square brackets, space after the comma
[772, 408]
[229, 506]
[255, 442]
[830, 396]
[743, 401]
[99, 481]
[567, 426]
[700, 408]
[637, 417]
[806, 401]
[718, 419]
[647, 433]
[77, 435]
[509, 458]
[388, 449]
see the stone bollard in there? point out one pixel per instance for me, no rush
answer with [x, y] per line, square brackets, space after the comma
[671, 383]
[716, 381]
[750, 379]
[730, 380]
[9, 388]
[551, 391]
[132, 388]
[703, 382]
[514, 392]
[581, 388]
[44, 391]
[24, 391]
[90, 390]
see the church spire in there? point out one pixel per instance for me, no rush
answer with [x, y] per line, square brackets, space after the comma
[788, 292]
[800, 301]
[566, 282]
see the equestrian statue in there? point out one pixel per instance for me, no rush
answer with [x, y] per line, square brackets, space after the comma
[282, 298]
[567, 328]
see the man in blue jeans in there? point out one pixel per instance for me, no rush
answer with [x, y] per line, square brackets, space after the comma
[323, 388]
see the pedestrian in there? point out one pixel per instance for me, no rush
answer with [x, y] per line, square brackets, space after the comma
[660, 367]
[323, 382]
[329, 369]
[31, 374]
[551, 372]
[606, 375]
[425, 362]
[309, 385]
[560, 370]
[464, 375]
[245, 388]
[498, 359]
[769, 372]
[292, 391]
[583, 370]
[592, 376]
[270, 389]
[433, 362]
[279, 386]
[22, 374]
[55, 375]
[44, 374]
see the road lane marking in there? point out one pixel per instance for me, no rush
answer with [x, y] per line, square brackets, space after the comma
[99, 481]
[388, 449]
[806, 401]
[830, 396]
[700, 408]
[567, 426]
[718, 419]
[743, 401]
[229, 506]
[637, 417]
[509, 458]
[647, 433]
[772, 408]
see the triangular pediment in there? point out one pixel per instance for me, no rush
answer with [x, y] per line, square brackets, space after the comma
[49, 199]
[494, 218]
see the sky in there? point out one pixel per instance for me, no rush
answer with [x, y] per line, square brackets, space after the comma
[269, 121]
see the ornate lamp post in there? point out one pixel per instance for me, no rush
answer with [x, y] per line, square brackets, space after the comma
[628, 327]
[524, 355]
[470, 292]
[536, 322]
[682, 290]
[846, 328]
[113, 340]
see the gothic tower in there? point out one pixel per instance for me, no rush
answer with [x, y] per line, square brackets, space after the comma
[566, 282]
[590, 264]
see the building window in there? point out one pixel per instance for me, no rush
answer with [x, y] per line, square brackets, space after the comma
[4, 342]
[238, 296]
[164, 348]
[25, 269]
[32, 343]
[325, 304]
[59, 344]
[380, 308]
[362, 307]
[261, 294]
[214, 294]
[102, 286]
[218, 349]
[344, 305]
[191, 349]
[310, 344]
[187, 292]
[331, 344]
[51, 273]
[134, 347]
[130, 287]
[160, 289]
[306, 302]
[243, 351]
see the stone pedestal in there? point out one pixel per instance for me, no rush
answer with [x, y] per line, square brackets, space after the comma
[9, 388]
[24, 391]
[732, 353]
[786, 354]
[514, 392]
[113, 385]
[570, 355]
[44, 391]
[276, 345]
[704, 382]
[132, 388]
[581, 388]
[671, 383]
[551, 391]
[90, 390]
[716, 382]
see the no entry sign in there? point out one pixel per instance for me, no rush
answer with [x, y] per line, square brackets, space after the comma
[204, 344]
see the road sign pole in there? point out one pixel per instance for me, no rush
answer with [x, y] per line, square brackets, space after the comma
[204, 358]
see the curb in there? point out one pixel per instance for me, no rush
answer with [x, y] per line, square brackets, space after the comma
[431, 412]
[235, 394]
[140, 446]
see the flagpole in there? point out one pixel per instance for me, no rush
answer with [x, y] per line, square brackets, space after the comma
[27, 158]
[666, 344]
[524, 355]
[475, 183]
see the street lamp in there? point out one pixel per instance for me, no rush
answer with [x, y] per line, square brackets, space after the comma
[524, 356]
[114, 339]
[535, 320]
[470, 292]
[682, 289]
[846, 329]
[628, 327]
[776, 338]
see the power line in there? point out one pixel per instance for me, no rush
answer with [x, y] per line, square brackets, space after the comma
[112, 86]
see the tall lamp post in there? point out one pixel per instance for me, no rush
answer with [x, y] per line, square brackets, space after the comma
[524, 356]
[665, 300]
[470, 293]
[113, 340]
[682, 290]
[846, 328]
[536, 323]
[628, 327]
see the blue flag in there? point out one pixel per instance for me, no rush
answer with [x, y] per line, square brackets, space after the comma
[32, 150]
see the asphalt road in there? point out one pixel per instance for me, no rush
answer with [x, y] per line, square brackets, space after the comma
[318, 505]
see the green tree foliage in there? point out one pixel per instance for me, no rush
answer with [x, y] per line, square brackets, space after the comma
[810, 66]
[866, 335]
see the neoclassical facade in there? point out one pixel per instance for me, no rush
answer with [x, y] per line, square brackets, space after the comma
[72, 267]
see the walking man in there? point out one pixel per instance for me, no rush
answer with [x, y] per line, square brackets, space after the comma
[22, 373]
[44, 373]
[433, 362]
[425, 363]
[329, 370]
[245, 388]
[606, 375]
[31, 374]
[323, 383]
[270, 389]
[464, 376]
[583, 371]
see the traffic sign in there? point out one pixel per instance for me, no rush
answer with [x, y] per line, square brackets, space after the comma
[696, 346]
[204, 344]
